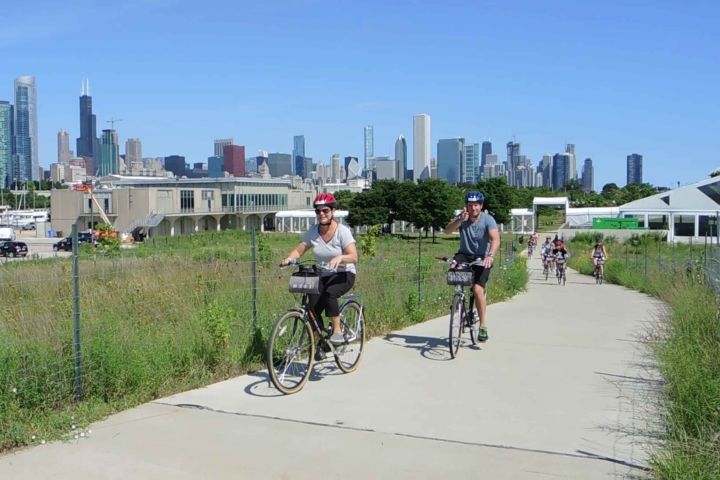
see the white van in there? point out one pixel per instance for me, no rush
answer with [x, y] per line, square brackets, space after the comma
[6, 234]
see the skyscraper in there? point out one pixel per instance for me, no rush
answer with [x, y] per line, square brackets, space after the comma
[471, 163]
[335, 168]
[133, 155]
[108, 162]
[546, 171]
[369, 150]
[220, 144]
[400, 158]
[352, 167]
[570, 150]
[215, 166]
[87, 144]
[234, 160]
[280, 164]
[450, 154]
[485, 150]
[175, 164]
[24, 165]
[299, 156]
[64, 154]
[513, 160]
[560, 170]
[421, 146]
[6, 132]
[588, 180]
[634, 168]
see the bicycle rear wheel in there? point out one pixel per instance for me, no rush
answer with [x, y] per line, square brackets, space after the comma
[347, 355]
[457, 317]
[290, 352]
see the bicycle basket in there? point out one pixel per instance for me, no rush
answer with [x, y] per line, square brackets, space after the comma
[460, 277]
[304, 282]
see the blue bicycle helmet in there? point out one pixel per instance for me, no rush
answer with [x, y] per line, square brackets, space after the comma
[474, 197]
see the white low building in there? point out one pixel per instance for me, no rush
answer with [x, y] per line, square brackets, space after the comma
[688, 213]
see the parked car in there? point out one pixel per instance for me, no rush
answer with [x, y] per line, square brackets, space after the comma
[28, 226]
[66, 243]
[13, 249]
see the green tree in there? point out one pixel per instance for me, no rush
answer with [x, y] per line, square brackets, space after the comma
[368, 208]
[344, 199]
[499, 197]
[436, 203]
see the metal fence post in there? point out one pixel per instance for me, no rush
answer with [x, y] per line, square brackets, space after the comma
[419, 263]
[646, 255]
[76, 315]
[253, 244]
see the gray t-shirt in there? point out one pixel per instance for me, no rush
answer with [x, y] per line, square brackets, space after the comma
[475, 237]
[324, 252]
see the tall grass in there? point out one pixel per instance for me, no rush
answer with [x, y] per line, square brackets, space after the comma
[175, 314]
[686, 346]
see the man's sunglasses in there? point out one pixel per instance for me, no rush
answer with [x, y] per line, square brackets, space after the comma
[318, 211]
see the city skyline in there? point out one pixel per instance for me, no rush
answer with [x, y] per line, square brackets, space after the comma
[620, 86]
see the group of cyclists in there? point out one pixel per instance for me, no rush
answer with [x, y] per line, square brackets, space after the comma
[333, 246]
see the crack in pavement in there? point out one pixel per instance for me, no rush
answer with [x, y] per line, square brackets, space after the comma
[581, 453]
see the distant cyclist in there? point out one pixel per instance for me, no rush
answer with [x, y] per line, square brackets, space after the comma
[598, 253]
[560, 253]
[479, 239]
[546, 250]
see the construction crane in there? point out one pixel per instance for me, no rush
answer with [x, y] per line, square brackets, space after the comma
[113, 121]
[88, 189]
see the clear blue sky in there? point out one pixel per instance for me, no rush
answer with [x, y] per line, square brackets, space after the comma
[612, 77]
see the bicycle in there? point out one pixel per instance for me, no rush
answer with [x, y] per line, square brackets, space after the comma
[547, 265]
[291, 347]
[461, 317]
[598, 272]
[560, 270]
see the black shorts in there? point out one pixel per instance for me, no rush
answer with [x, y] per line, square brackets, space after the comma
[481, 275]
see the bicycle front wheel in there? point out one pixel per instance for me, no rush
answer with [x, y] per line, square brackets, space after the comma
[347, 355]
[456, 322]
[290, 353]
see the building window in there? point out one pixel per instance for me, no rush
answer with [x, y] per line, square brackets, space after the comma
[207, 194]
[657, 222]
[684, 225]
[712, 190]
[707, 226]
[187, 200]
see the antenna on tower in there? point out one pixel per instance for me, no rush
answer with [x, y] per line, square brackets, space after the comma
[113, 121]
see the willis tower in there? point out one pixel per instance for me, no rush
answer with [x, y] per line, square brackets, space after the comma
[87, 144]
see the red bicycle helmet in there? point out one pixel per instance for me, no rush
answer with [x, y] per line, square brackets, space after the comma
[324, 200]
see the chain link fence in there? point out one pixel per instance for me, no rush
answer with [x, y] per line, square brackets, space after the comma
[177, 313]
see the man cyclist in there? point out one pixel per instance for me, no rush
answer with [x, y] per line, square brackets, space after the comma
[598, 253]
[479, 239]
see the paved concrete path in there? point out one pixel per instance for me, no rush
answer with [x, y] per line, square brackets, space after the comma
[561, 390]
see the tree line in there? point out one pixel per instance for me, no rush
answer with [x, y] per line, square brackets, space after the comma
[429, 204]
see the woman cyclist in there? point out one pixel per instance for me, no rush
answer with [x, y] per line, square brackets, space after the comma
[333, 247]
[598, 253]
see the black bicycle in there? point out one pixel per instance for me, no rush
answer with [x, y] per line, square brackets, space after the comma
[292, 345]
[462, 317]
[560, 267]
[598, 272]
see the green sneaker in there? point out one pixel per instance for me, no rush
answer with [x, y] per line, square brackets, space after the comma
[482, 334]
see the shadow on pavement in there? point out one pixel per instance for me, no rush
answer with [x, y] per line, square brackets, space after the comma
[432, 348]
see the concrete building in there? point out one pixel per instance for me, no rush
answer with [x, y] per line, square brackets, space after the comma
[385, 168]
[220, 144]
[64, 154]
[234, 160]
[400, 158]
[588, 176]
[168, 206]
[369, 147]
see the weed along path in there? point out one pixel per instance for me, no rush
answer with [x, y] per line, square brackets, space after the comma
[563, 389]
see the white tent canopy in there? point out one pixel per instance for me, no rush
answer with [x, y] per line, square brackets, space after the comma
[298, 221]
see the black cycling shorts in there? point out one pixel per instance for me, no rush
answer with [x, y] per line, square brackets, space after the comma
[481, 275]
